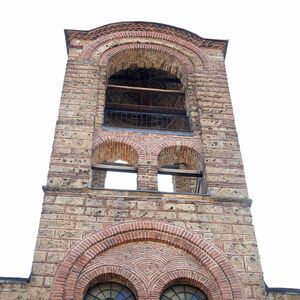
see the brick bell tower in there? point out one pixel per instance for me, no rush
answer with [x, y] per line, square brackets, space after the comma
[147, 101]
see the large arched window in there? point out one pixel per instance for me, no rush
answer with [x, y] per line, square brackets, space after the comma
[145, 98]
[109, 291]
[182, 292]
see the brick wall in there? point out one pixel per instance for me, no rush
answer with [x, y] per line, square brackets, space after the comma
[284, 296]
[70, 215]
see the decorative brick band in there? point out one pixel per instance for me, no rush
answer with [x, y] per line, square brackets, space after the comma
[142, 146]
[208, 256]
[151, 36]
[153, 29]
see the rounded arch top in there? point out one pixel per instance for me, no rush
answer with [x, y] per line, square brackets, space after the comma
[147, 55]
[180, 154]
[151, 27]
[209, 256]
[115, 150]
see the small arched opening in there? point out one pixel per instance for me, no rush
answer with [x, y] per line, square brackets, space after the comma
[114, 166]
[180, 170]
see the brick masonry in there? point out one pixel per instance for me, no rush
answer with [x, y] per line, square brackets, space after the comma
[204, 240]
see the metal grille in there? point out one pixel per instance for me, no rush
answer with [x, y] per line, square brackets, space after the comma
[117, 118]
[183, 292]
[109, 291]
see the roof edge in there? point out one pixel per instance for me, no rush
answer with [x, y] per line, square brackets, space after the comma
[13, 280]
[282, 290]
[188, 33]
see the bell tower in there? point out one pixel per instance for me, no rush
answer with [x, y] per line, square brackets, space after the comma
[146, 105]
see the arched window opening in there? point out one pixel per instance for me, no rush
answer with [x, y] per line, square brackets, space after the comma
[183, 292]
[109, 291]
[184, 169]
[145, 98]
[114, 166]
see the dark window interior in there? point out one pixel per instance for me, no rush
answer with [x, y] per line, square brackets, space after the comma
[145, 98]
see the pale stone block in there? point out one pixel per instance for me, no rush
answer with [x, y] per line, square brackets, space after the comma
[78, 210]
[238, 248]
[39, 256]
[122, 203]
[43, 268]
[146, 205]
[70, 200]
[51, 244]
[67, 224]
[52, 208]
[243, 229]
[179, 206]
[252, 263]
[238, 263]
[55, 257]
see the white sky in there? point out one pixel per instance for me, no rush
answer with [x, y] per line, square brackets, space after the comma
[263, 65]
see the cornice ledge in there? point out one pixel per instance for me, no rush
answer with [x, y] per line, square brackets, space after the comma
[244, 200]
[140, 26]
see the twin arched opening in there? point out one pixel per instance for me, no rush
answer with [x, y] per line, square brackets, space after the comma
[115, 291]
[176, 168]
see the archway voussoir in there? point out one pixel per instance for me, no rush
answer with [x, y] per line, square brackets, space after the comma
[209, 256]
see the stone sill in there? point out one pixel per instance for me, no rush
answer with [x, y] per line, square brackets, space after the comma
[147, 131]
[145, 193]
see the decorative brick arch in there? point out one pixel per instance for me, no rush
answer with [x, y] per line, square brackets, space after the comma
[115, 59]
[106, 148]
[188, 144]
[148, 55]
[180, 154]
[105, 34]
[176, 52]
[201, 280]
[209, 256]
[151, 28]
[110, 273]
